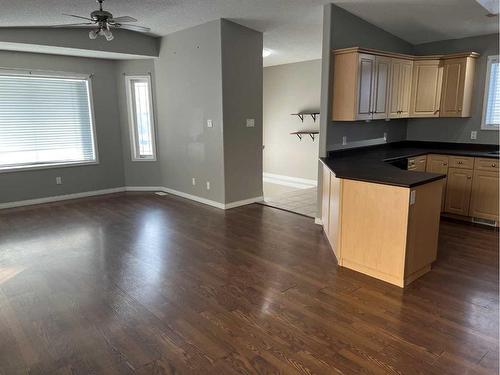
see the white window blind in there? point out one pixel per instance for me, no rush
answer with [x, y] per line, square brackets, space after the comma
[44, 121]
[141, 119]
[491, 111]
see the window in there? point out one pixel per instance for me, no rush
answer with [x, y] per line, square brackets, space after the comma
[45, 121]
[140, 110]
[491, 106]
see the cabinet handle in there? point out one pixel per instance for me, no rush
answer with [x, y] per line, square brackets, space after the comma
[445, 164]
[459, 162]
[469, 177]
[493, 165]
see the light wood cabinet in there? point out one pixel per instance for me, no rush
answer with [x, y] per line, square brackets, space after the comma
[381, 81]
[458, 191]
[361, 89]
[325, 200]
[484, 198]
[417, 163]
[426, 88]
[458, 81]
[438, 164]
[370, 84]
[400, 88]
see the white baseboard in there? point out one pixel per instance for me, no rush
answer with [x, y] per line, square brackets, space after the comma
[85, 194]
[144, 188]
[296, 182]
[193, 198]
[317, 220]
[244, 202]
[57, 198]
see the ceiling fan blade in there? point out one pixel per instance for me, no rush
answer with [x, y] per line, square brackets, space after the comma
[132, 27]
[73, 15]
[74, 24]
[123, 19]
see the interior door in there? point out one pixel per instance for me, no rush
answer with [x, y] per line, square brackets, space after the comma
[458, 191]
[380, 96]
[366, 71]
[453, 87]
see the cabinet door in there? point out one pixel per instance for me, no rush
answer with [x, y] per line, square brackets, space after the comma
[395, 89]
[426, 88]
[458, 191]
[405, 88]
[453, 87]
[380, 85]
[484, 197]
[438, 164]
[366, 72]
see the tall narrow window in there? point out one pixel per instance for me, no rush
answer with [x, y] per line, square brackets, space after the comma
[141, 119]
[491, 107]
[45, 121]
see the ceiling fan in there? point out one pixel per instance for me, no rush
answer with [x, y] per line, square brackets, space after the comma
[104, 22]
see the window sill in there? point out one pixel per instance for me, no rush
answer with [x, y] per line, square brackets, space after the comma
[46, 166]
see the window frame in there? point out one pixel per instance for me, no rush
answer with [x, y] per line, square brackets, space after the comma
[134, 146]
[61, 75]
[491, 59]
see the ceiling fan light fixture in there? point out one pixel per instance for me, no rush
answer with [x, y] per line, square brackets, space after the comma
[108, 35]
[93, 34]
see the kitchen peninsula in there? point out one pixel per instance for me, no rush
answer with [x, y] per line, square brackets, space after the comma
[381, 213]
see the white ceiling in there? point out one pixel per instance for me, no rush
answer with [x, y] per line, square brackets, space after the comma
[292, 28]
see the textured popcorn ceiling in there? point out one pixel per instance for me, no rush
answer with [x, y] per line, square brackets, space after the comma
[292, 28]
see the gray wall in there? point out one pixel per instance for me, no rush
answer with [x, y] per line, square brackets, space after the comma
[137, 173]
[74, 40]
[455, 129]
[108, 173]
[242, 100]
[291, 88]
[348, 30]
[189, 92]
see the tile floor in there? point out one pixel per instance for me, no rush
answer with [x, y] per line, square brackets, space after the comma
[301, 201]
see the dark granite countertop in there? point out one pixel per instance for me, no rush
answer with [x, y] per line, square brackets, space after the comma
[373, 163]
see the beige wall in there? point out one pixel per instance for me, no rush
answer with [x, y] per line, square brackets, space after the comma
[291, 88]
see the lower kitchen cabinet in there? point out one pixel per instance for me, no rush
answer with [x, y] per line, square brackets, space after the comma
[438, 164]
[458, 191]
[484, 197]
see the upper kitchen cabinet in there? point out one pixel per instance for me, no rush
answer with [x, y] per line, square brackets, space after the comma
[361, 86]
[458, 81]
[426, 88]
[400, 88]
[370, 84]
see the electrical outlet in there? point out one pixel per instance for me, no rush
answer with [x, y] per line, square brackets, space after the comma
[385, 136]
[250, 123]
[208, 185]
[344, 140]
[58, 180]
[194, 181]
[413, 197]
[473, 134]
[210, 124]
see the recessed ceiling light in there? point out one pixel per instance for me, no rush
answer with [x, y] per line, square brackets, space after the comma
[266, 52]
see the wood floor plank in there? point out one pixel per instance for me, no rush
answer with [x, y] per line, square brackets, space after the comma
[135, 283]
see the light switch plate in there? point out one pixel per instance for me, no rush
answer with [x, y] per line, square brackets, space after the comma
[473, 134]
[250, 123]
[210, 124]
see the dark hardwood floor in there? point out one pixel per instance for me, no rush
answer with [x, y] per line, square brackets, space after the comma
[138, 283]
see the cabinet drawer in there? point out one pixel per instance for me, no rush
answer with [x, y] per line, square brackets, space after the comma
[461, 162]
[485, 164]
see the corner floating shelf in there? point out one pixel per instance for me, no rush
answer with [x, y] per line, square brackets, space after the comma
[302, 115]
[301, 133]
